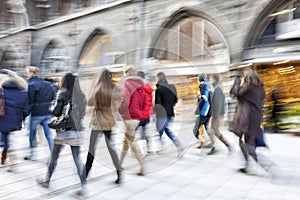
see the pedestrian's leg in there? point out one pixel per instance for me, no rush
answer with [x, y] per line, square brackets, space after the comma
[113, 155]
[130, 135]
[124, 148]
[5, 140]
[34, 122]
[172, 136]
[196, 127]
[80, 167]
[51, 166]
[47, 131]
[91, 152]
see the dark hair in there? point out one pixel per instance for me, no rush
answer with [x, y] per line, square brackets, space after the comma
[71, 84]
[141, 74]
[162, 78]
[252, 78]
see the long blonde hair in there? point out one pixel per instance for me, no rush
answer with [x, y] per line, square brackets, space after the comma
[104, 88]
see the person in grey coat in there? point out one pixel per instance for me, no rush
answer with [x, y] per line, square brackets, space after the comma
[217, 113]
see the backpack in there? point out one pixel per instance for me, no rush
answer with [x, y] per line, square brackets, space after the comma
[2, 100]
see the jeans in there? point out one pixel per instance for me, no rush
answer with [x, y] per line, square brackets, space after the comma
[76, 157]
[93, 142]
[34, 122]
[200, 120]
[5, 140]
[162, 125]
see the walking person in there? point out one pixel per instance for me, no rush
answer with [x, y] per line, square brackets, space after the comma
[103, 119]
[165, 100]
[41, 95]
[15, 107]
[250, 95]
[131, 106]
[71, 93]
[203, 109]
[147, 110]
[217, 113]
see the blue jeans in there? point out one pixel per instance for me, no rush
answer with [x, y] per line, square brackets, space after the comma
[162, 125]
[34, 122]
[5, 139]
[76, 157]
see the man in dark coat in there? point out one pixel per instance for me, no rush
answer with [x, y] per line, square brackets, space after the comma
[16, 107]
[165, 100]
[41, 95]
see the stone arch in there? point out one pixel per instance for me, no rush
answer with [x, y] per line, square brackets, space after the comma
[186, 14]
[55, 58]
[12, 59]
[261, 23]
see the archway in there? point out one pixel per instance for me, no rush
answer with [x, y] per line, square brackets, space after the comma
[272, 49]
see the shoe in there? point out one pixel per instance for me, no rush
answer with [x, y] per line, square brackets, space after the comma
[42, 183]
[140, 174]
[27, 158]
[208, 146]
[200, 145]
[212, 151]
[119, 179]
[80, 192]
[243, 170]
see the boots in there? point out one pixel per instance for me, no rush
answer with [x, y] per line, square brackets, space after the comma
[3, 156]
[119, 178]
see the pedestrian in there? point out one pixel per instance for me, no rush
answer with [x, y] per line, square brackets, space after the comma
[165, 100]
[131, 106]
[72, 93]
[203, 109]
[104, 102]
[16, 107]
[250, 94]
[217, 113]
[41, 95]
[147, 110]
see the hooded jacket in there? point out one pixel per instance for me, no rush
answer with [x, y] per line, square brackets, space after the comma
[16, 105]
[133, 99]
[149, 102]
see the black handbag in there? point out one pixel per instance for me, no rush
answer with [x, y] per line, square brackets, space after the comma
[63, 122]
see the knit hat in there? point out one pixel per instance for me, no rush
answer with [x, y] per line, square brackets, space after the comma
[202, 77]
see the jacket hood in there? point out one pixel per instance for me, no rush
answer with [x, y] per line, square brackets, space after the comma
[148, 88]
[133, 82]
[15, 82]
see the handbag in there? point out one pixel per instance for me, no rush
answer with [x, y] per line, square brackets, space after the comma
[63, 122]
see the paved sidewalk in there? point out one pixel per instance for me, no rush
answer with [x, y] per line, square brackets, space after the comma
[194, 176]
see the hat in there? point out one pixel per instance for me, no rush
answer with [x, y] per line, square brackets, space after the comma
[202, 77]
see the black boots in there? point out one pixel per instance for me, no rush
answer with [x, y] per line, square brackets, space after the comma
[119, 179]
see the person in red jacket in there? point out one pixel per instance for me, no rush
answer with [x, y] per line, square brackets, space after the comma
[147, 110]
[130, 108]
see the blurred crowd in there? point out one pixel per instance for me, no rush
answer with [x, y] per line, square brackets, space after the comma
[43, 102]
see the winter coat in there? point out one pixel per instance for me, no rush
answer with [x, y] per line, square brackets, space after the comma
[103, 119]
[133, 99]
[165, 100]
[16, 105]
[217, 102]
[249, 114]
[41, 95]
[149, 102]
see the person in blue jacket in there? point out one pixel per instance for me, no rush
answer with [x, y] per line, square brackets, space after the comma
[16, 107]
